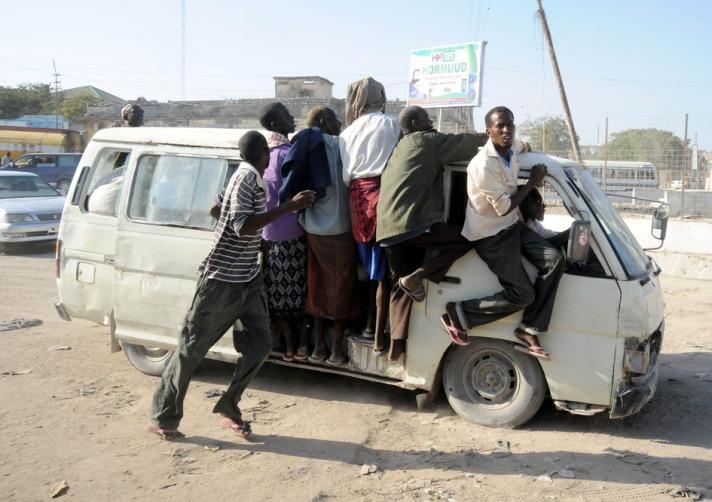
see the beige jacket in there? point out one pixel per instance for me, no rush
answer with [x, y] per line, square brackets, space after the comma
[489, 188]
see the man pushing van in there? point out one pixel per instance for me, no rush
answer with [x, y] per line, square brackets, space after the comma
[230, 287]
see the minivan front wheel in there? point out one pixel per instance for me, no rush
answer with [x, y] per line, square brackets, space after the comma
[149, 360]
[490, 383]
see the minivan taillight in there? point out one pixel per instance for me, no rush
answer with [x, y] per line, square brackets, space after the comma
[58, 253]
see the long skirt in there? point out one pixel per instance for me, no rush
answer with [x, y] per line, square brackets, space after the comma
[286, 278]
[363, 202]
[332, 280]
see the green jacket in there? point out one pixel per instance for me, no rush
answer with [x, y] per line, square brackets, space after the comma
[411, 196]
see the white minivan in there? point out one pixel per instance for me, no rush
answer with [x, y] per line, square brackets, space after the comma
[135, 227]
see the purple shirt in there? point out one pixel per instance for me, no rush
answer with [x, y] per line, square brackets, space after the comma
[286, 227]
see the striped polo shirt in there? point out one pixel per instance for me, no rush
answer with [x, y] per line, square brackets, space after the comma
[235, 257]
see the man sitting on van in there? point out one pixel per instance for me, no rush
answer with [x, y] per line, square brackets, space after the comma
[410, 214]
[500, 238]
[230, 287]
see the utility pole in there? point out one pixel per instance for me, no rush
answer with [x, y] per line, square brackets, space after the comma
[559, 83]
[543, 136]
[605, 157]
[182, 50]
[684, 172]
[56, 95]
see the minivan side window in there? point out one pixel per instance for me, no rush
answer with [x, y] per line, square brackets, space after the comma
[176, 190]
[106, 181]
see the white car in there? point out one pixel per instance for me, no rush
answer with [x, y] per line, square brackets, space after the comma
[30, 209]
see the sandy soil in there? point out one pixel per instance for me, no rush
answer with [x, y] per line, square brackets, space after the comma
[78, 416]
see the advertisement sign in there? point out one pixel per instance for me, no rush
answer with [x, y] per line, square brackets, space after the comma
[446, 76]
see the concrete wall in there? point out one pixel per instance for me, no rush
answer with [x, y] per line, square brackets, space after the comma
[687, 251]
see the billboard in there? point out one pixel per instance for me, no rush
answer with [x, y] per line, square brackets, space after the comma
[446, 76]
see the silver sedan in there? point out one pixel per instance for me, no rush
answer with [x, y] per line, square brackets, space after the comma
[30, 209]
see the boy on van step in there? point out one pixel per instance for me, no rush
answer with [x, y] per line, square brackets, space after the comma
[230, 287]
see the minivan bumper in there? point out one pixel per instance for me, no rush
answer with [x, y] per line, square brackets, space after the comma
[637, 389]
[61, 311]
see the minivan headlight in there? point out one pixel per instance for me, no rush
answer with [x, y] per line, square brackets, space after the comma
[18, 218]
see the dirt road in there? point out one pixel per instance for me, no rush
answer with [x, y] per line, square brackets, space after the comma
[79, 415]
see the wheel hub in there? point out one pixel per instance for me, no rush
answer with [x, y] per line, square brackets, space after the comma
[492, 379]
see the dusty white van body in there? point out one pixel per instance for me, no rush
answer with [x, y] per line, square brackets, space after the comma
[138, 277]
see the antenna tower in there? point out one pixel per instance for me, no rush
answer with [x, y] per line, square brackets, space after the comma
[182, 50]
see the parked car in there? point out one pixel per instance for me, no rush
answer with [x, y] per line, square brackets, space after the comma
[57, 169]
[30, 209]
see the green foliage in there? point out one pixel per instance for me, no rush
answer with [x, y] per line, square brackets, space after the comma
[643, 144]
[25, 99]
[557, 135]
[75, 107]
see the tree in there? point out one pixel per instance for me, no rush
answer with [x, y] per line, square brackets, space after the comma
[25, 99]
[644, 144]
[75, 107]
[557, 135]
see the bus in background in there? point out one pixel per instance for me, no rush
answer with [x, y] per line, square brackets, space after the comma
[623, 175]
[21, 140]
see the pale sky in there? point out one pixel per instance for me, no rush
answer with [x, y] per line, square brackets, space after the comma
[642, 63]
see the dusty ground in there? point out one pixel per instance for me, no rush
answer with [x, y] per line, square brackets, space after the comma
[78, 416]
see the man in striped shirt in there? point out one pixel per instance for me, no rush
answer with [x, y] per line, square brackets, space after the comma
[230, 287]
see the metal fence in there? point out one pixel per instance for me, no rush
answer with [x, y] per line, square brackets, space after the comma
[657, 175]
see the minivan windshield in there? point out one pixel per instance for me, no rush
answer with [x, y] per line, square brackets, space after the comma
[619, 235]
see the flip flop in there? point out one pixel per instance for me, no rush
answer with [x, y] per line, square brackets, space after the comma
[287, 358]
[165, 434]
[301, 356]
[534, 351]
[340, 362]
[457, 335]
[240, 428]
[416, 296]
[319, 359]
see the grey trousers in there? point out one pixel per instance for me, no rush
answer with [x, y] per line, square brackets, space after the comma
[216, 306]
[503, 253]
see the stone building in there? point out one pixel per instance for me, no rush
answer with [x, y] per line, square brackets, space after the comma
[298, 94]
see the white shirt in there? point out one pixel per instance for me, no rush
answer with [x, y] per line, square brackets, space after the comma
[489, 188]
[366, 145]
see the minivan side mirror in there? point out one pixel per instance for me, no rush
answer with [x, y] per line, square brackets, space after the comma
[660, 221]
[659, 227]
[579, 242]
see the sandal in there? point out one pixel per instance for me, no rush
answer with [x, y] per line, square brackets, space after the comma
[165, 434]
[339, 362]
[301, 355]
[417, 295]
[317, 358]
[240, 427]
[458, 336]
[534, 351]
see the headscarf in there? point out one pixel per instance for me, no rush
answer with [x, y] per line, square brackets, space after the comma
[364, 96]
[275, 139]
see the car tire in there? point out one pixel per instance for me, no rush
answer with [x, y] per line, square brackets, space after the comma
[63, 186]
[489, 383]
[149, 360]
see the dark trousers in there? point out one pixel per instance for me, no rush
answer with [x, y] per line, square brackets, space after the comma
[409, 256]
[216, 306]
[503, 253]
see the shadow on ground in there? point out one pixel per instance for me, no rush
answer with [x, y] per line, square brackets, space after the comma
[678, 414]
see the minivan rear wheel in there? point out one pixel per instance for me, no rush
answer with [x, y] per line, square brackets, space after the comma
[489, 383]
[149, 360]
